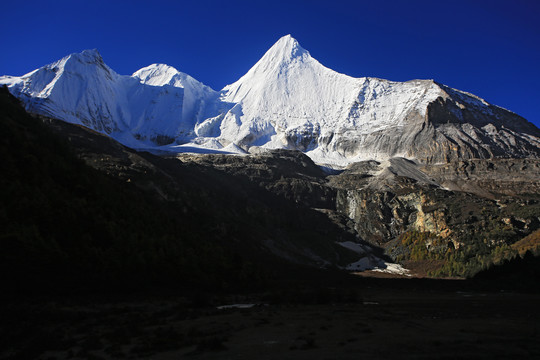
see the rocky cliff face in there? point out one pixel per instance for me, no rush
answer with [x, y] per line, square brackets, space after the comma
[488, 178]
[460, 126]
[408, 209]
[382, 216]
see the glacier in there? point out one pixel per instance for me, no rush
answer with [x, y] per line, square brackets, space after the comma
[287, 100]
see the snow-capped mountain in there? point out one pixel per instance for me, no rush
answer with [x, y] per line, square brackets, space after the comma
[286, 100]
[158, 103]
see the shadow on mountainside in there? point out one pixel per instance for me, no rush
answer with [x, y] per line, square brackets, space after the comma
[133, 221]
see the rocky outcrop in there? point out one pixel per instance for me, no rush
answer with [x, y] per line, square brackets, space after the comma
[407, 208]
[489, 178]
[380, 217]
[459, 126]
[290, 174]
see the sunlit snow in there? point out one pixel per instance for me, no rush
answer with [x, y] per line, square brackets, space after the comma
[287, 100]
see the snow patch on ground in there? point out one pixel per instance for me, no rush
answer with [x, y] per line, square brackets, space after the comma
[370, 262]
[392, 268]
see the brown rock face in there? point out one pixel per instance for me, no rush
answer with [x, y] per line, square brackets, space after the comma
[477, 206]
[457, 128]
[488, 177]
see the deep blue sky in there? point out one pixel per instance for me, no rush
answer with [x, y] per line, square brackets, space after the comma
[489, 48]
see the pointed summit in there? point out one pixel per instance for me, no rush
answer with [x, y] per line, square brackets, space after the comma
[284, 55]
[90, 56]
[287, 46]
[86, 62]
[284, 51]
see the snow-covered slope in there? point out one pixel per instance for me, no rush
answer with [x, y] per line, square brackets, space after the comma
[79, 88]
[200, 101]
[297, 96]
[286, 100]
[156, 105]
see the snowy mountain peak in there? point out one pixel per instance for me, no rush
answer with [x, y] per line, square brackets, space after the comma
[290, 100]
[162, 74]
[284, 51]
[89, 55]
[284, 54]
[88, 64]
[76, 61]
[286, 100]
[286, 48]
[158, 75]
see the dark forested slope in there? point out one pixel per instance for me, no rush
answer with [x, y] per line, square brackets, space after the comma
[135, 220]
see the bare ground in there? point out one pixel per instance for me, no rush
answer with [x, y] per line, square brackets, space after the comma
[382, 323]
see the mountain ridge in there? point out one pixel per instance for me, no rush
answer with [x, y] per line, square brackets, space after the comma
[287, 100]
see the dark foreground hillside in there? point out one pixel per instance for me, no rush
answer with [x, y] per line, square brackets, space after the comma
[131, 225]
[131, 258]
[66, 226]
